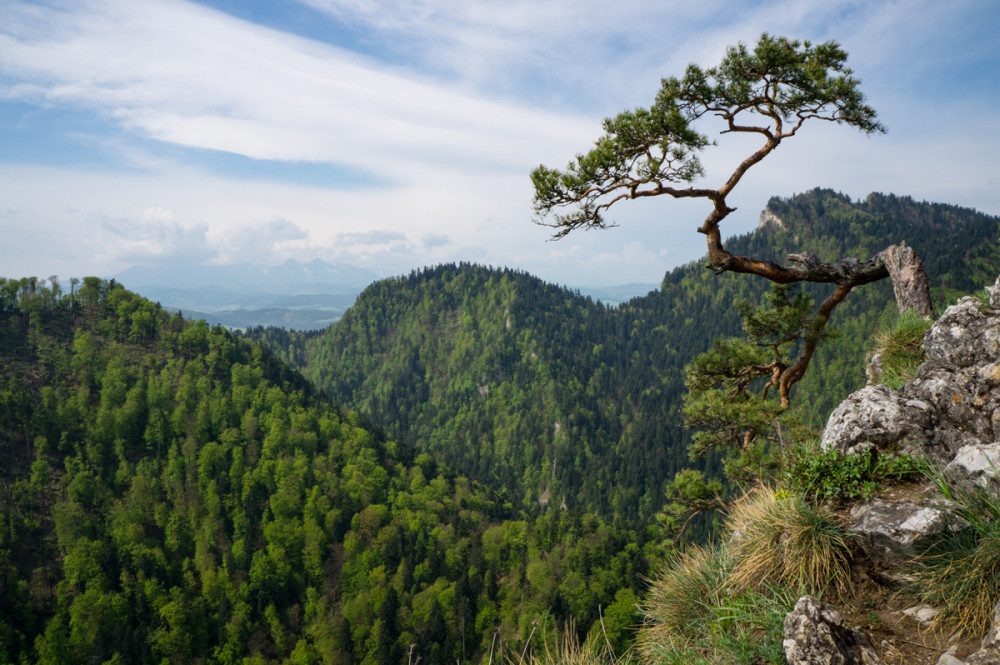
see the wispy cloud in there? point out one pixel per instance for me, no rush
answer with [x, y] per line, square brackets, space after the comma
[426, 141]
[180, 73]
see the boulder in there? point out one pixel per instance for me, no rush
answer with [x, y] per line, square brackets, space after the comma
[952, 402]
[976, 466]
[815, 634]
[891, 532]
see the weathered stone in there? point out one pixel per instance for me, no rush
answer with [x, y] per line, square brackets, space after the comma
[815, 634]
[952, 402]
[949, 658]
[964, 335]
[976, 466]
[989, 656]
[891, 532]
[875, 416]
[925, 614]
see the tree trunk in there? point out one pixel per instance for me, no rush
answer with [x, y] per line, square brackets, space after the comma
[909, 281]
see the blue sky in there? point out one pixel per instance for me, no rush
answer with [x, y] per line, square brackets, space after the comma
[391, 135]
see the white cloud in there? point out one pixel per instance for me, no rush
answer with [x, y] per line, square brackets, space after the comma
[466, 98]
[180, 73]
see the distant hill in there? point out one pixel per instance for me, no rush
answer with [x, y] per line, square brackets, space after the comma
[294, 295]
[541, 390]
[171, 493]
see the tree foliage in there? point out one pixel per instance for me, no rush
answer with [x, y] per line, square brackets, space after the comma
[170, 492]
[770, 91]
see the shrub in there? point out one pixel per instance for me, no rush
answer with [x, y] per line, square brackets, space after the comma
[823, 475]
[681, 597]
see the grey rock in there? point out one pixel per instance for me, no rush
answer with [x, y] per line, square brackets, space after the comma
[891, 532]
[875, 416]
[952, 402]
[815, 634]
[925, 614]
[949, 658]
[989, 656]
[964, 335]
[976, 466]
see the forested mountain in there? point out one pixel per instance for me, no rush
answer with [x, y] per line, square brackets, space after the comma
[171, 493]
[527, 386]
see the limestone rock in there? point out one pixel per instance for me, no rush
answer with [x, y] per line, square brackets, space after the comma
[976, 466]
[952, 402]
[990, 656]
[815, 634]
[875, 416]
[949, 658]
[893, 531]
[925, 614]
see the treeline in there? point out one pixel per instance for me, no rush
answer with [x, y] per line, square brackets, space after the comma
[170, 492]
[524, 385]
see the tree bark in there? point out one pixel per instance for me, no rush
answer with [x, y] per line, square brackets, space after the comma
[909, 280]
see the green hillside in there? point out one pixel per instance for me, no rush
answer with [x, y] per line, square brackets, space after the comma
[551, 396]
[171, 493]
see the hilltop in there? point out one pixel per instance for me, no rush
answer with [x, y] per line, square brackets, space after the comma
[539, 389]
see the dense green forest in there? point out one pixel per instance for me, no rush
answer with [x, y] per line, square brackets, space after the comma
[171, 493]
[174, 493]
[526, 386]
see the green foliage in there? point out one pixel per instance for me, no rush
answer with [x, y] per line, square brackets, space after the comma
[961, 573]
[172, 493]
[830, 475]
[770, 90]
[430, 356]
[900, 348]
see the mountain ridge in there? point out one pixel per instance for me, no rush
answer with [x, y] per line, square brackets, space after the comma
[511, 380]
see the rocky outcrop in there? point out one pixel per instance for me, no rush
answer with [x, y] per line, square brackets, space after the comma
[950, 413]
[891, 532]
[815, 634]
[952, 402]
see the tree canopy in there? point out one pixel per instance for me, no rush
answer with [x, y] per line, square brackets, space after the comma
[771, 91]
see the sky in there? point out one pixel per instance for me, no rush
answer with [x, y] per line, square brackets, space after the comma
[391, 134]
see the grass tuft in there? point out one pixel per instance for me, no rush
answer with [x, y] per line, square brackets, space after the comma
[961, 573]
[780, 540]
[901, 348]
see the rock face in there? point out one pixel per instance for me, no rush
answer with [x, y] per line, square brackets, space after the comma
[891, 532]
[952, 402]
[815, 634]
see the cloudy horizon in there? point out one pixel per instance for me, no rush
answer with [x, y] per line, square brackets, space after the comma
[393, 135]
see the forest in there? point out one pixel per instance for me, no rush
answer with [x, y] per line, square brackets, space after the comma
[171, 493]
[467, 463]
[530, 387]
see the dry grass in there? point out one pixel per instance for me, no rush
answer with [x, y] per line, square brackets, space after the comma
[681, 599]
[780, 540]
[565, 649]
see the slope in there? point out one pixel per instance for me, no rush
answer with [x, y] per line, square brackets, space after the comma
[540, 391]
[172, 493]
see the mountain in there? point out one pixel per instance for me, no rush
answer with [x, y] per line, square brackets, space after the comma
[294, 295]
[543, 391]
[172, 493]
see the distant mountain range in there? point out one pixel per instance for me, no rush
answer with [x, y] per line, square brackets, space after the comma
[293, 295]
